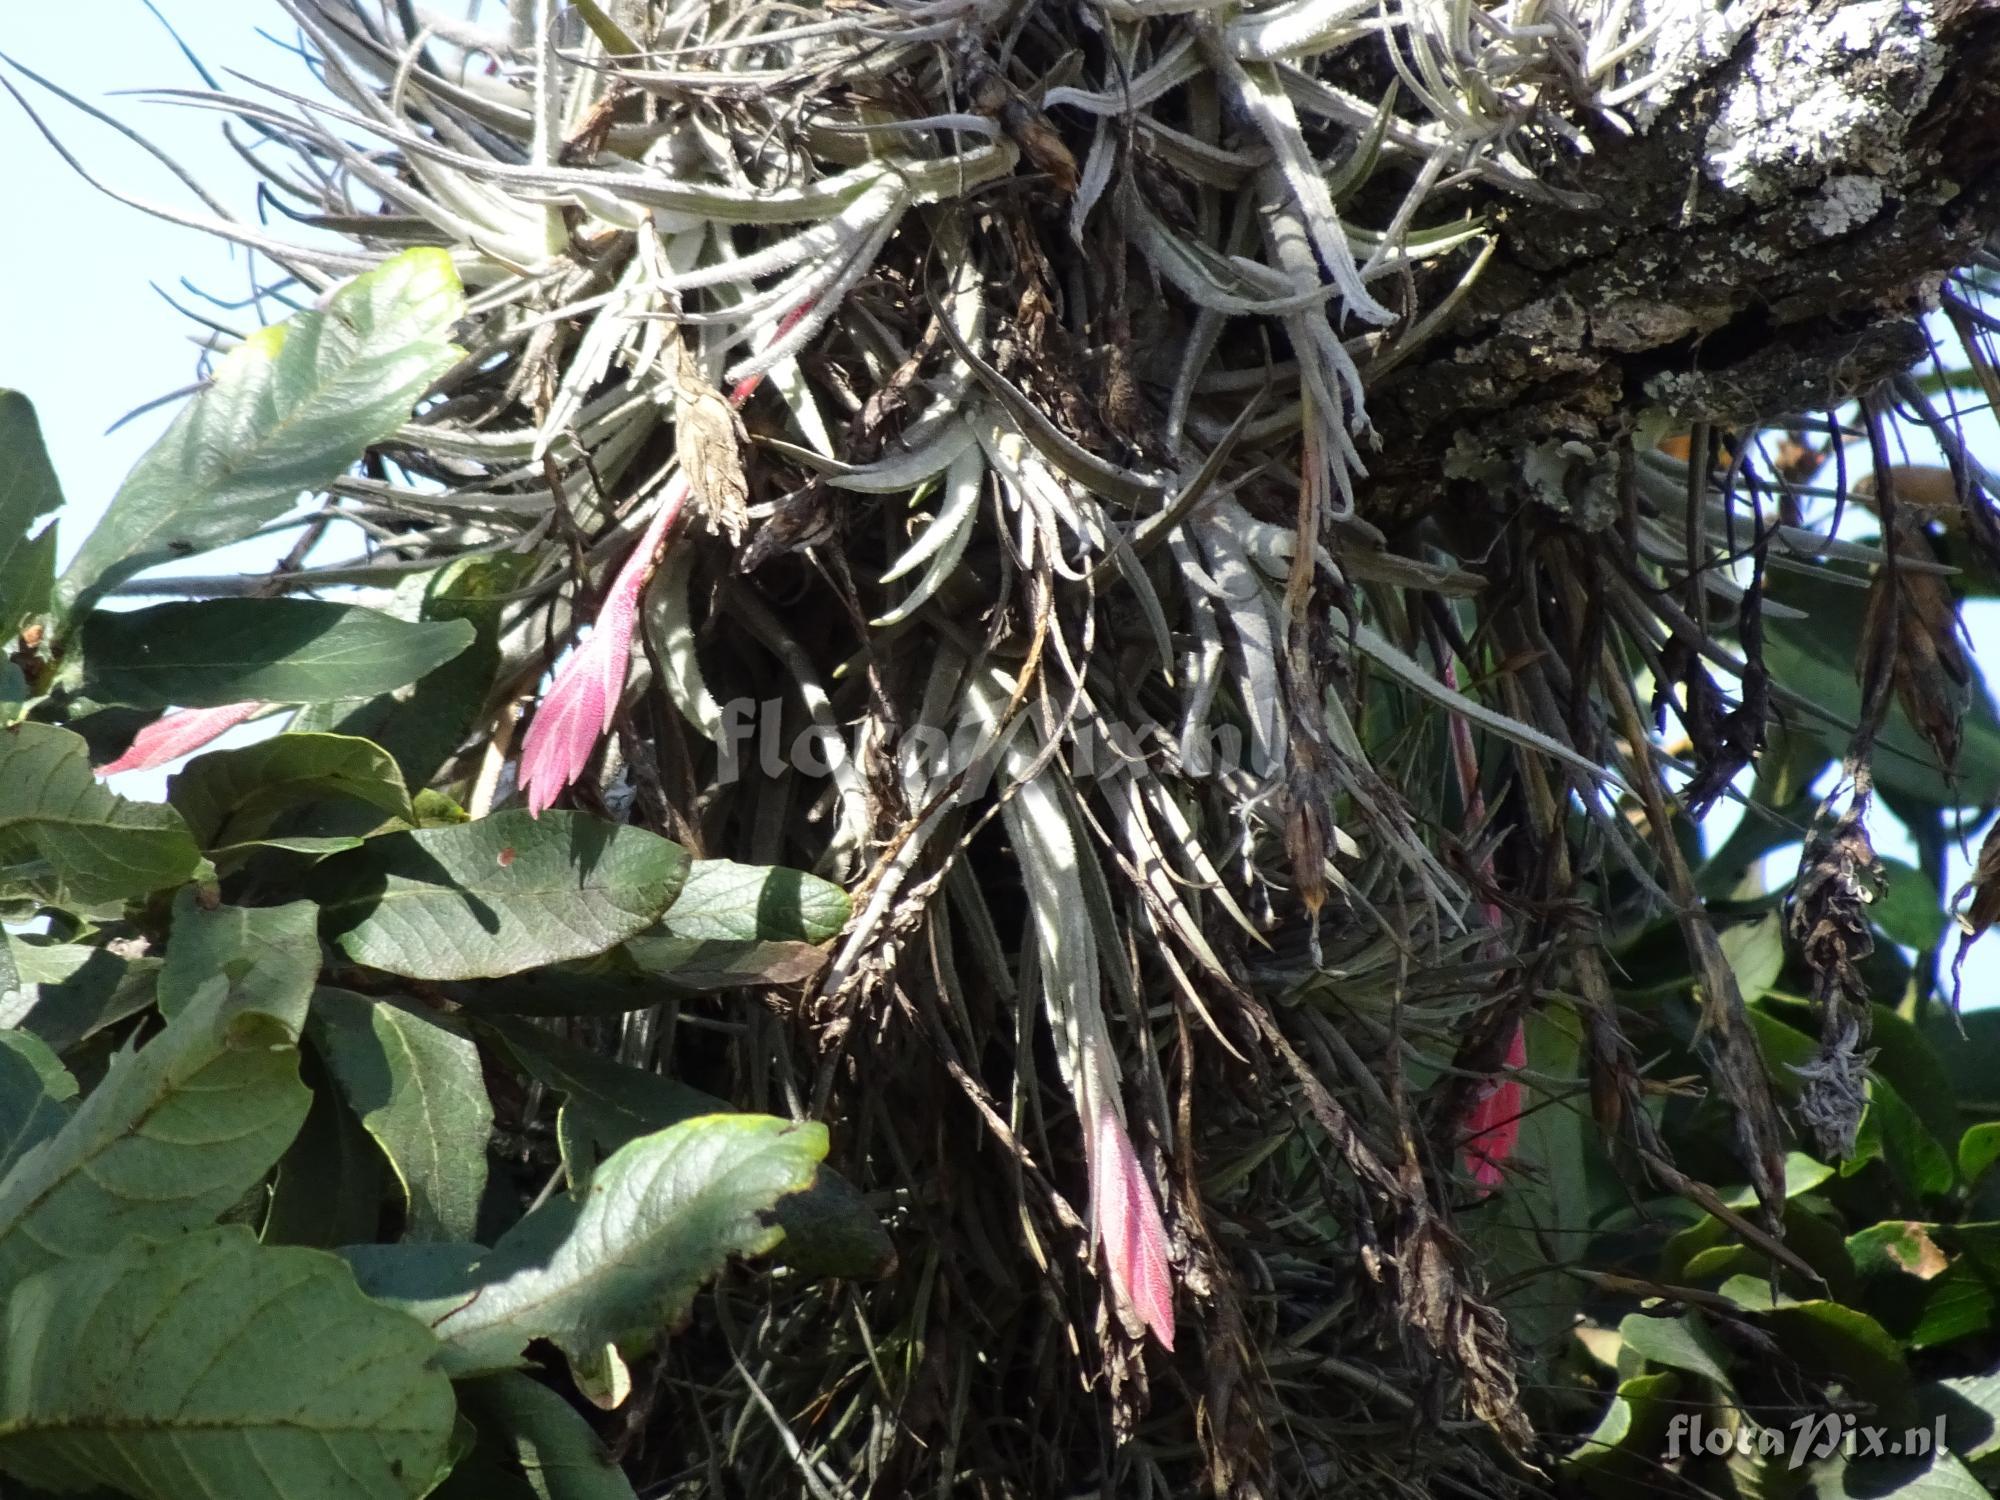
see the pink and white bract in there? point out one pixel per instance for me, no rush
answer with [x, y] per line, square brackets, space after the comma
[176, 734]
[1128, 1224]
[578, 708]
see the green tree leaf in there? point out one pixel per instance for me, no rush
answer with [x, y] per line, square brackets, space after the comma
[1832, 1336]
[67, 840]
[210, 652]
[35, 1090]
[1679, 1343]
[174, 1134]
[1970, 1406]
[604, 1103]
[1978, 1149]
[423, 727]
[1619, 1452]
[829, 1228]
[493, 897]
[414, 1079]
[331, 1184]
[291, 408]
[211, 1365]
[742, 924]
[533, 1445]
[234, 796]
[1908, 908]
[68, 991]
[28, 492]
[619, 1266]
[261, 958]
[1939, 1476]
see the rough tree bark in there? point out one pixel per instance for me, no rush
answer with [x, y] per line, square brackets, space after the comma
[1766, 241]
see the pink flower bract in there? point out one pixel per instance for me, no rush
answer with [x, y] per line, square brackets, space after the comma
[579, 705]
[1128, 1222]
[577, 709]
[1495, 1119]
[177, 734]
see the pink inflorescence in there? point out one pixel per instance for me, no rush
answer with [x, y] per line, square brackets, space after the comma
[578, 708]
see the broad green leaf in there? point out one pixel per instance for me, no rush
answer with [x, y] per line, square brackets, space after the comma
[1968, 1049]
[1897, 1247]
[1936, 1476]
[1908, 909]
[1833, 1337]
[619, 1267]
[725, 902]
[229, 797]
[258, 958]
[829, 1229]
[290, 409]
[1962, 1301]
[65, 839]
[210, 652]
[1619, 1450]
[1970, 1406]
[68, 991]
[35, 1094]
[173, 1135]
[331, 1185]
[506, 893]
[1978, 1149]
[1679, 1343]
[604, 1103]
[533, 1445]
[414, 1080]
[1756, 954]
[28, 492]
[742, 924]
[424, 726]
[27, 578]
[314, 848]
[210, 1365]
[1891, 1131]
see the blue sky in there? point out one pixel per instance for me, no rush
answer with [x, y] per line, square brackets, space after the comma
[86, 337]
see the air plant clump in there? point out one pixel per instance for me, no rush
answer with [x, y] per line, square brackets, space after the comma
[1049, 334]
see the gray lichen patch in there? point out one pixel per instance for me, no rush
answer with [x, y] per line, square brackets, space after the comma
[1825, 90]
[1846, 201]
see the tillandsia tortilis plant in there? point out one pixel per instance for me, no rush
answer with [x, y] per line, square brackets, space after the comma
[1246, 536]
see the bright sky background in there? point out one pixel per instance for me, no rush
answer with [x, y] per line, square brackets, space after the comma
[88, 339]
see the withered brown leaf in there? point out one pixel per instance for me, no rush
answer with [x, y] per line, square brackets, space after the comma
[710, 437]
